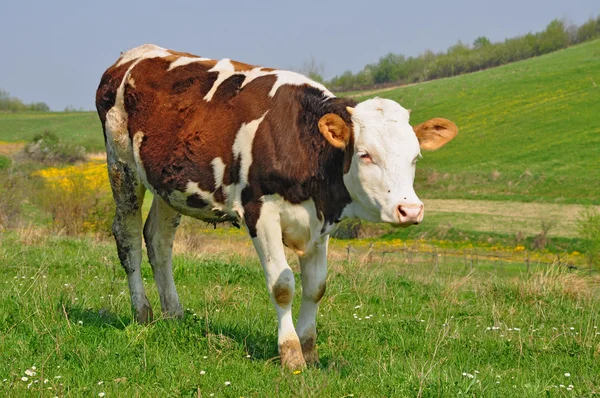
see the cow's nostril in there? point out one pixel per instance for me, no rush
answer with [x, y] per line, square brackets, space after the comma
[401, 211]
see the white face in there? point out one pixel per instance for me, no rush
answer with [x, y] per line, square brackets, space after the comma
[381, 176]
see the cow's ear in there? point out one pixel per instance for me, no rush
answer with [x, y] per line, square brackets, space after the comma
[435, 133]
[335, 130]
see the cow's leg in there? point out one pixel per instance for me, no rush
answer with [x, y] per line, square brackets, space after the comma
[159, 232]
[280, 282]
[127, 230]
[313, 266]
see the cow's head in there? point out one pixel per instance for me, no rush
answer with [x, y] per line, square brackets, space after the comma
[384, 155]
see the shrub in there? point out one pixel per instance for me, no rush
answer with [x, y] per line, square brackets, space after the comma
[348, 229]
[78, 198]
[47, 148]
[12, 195]
[5, 162]
[588, 227]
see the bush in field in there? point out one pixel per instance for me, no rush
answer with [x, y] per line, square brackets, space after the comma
[589, 231]
[78, 198]
[4, 162]
[348, 229]
[48, 149]
[12, 194]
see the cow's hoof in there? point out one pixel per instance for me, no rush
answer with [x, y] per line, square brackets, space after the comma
[309, 351]
[144, 315]
[291, 355]
[173, 313]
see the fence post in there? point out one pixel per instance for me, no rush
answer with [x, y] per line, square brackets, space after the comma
[348, 249]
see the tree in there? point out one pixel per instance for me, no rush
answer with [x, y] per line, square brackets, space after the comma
[313, 69]
[481, 42]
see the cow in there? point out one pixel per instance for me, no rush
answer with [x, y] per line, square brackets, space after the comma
[224, 141]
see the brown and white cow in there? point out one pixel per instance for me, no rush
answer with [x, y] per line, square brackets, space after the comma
[272, 149]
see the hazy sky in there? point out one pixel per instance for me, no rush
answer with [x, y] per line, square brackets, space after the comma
[56, 51]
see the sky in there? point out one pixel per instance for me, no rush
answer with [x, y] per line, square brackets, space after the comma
[56, 51]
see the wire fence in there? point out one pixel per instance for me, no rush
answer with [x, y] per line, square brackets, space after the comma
[470, 258]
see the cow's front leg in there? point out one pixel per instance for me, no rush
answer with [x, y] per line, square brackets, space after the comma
[267, 239]
[313, 266]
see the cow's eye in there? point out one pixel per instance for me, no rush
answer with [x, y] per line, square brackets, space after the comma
[365, 157]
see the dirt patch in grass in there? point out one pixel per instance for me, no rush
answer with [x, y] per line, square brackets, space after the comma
[509, 217]
[10, 148]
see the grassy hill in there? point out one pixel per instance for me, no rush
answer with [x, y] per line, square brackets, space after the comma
[529, 131]
[80, 128]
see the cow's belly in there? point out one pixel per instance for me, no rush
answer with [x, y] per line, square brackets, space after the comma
[202, 210]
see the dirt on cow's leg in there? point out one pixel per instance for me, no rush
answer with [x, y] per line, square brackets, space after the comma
[128, 193]
[159, 232]
[291, 355]
[309, 347]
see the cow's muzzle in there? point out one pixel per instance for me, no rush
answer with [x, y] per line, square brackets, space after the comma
[409, 214]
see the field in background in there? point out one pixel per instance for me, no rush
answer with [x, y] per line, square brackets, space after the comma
[78, 128]
[528, 130]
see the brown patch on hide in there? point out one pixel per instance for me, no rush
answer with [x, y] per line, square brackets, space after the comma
[107, 90]
[282, 293]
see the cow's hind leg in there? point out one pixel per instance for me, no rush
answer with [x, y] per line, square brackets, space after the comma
[159, 232]
[128, 193]
[313, 266]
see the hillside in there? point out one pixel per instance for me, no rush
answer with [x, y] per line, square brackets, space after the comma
[81, 128]
[529, 131]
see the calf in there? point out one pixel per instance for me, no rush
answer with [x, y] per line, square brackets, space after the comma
[271, 149]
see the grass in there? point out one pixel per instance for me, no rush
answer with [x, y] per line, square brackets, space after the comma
[384, 329]
[528, 130]
[78, 128]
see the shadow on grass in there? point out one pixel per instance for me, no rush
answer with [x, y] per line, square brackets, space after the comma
[101, 318]
[261, 346]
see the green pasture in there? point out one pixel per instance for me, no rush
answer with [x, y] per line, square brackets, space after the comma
[77, 128]
[528, 131]
[384, 330]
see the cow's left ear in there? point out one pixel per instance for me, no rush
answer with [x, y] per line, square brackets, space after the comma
[335, 130]
[435, 133]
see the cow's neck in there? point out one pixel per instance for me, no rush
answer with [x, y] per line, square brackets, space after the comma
[328, 191]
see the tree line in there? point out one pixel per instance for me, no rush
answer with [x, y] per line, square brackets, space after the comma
[12, 104]
[461, 58]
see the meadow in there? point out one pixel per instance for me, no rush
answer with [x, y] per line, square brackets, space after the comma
[495, 294]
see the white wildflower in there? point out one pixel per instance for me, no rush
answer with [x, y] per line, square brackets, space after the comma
[567, 374]
[203, 372]
[227, 383]
[24, 378]
[101, 394]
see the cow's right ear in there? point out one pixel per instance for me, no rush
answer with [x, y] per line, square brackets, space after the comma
[335, 130]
